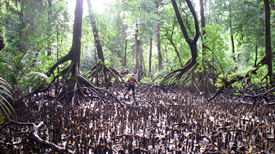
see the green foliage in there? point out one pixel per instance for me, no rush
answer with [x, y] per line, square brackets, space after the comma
[5, 95]
[33, 81]
[19, 75]
[216, 55]
[16, 68]
[107, 63]
[146, 80]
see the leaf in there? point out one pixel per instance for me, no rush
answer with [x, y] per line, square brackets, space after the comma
[1, 117]
[5, 92]
[37, 74]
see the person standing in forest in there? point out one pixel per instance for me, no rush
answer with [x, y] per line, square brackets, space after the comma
[131, 85]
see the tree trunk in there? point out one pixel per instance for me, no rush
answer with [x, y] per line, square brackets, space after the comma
[202, 29]
[191, 43]
[176, 50]
[95, 31]
[21, 26]
[232, 42]
[158, 42]
[136, 46]
[49, 29]
[268, 41]
[178, 74]
[231, 34]
[140, 72]
[173, 44]
[272, 6]
[205, 81]
[76, 47]
[150, 58]
[2, 43]
[125, 46]
[74, 53]
[125, 53]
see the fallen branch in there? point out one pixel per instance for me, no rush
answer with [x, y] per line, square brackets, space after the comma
[239, 78]
[34, 135]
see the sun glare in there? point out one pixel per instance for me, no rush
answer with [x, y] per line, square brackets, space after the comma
[98, 6]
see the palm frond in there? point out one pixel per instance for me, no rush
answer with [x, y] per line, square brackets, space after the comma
[36, 74]
[5, 106]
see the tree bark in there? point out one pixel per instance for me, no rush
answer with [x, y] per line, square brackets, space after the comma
[173, 44]
[95, 31]
[125, 53]
[202, 20]
[176, 50]
[150, 57]
[272, 6]
[191, 43]
[136, 46]
[268, 41]
[202, 28]
[76, 47]
[2, 43]
[74, 53]
[231, 34]
[160, 66]
[203, 32]
[49, 29]
[21, 26]
[125, 47]
[140, 59]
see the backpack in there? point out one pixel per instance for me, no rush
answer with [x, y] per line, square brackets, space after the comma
[132, 81]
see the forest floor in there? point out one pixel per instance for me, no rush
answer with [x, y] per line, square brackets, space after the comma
[155, 121]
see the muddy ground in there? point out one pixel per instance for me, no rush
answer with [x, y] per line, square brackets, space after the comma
[155, 121]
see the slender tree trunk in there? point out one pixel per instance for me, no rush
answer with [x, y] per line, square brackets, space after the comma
[125, 53]
[49, 29]
[231, 34]
[170, 38]
[21, 26]
[150, 57]
[205, 80]
[202, 29]
[256, 55]
[176, 50]
[124, 41]
[2, 44]
[140, 58]
[232, 43]
[272, 6]
[125, 46]
[158, 42]
[136, 46]
[202, 20]
[95, 31]
[268, 41]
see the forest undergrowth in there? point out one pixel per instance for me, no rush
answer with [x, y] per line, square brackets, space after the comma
[157, 120]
